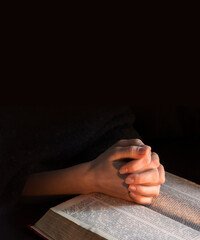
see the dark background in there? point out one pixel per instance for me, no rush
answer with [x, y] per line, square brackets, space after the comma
[172, 131]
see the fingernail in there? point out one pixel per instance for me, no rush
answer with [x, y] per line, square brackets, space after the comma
[123, 170]
[142, 149]
[129, 180]
[132, 188]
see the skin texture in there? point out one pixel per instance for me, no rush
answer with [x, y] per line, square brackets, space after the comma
[127, 170]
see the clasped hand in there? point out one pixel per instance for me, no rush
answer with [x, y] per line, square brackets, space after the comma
[129, 170]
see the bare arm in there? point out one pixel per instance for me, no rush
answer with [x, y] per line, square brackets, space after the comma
[73, 180]
[105, 174]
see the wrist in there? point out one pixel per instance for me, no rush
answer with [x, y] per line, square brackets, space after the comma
[88, 179]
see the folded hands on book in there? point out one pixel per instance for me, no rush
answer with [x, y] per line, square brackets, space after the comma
[127, 170]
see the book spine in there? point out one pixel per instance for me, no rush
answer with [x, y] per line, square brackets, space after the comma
[36, 232]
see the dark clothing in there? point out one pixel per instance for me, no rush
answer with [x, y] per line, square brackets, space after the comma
[46, 138]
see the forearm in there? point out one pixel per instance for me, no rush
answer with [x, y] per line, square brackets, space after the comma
[78, 179]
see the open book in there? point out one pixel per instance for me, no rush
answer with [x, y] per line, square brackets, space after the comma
[174, 214]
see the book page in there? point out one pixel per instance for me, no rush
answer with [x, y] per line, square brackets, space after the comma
[175, 214]
[179, 199]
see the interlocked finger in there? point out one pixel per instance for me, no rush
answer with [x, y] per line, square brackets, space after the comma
[147, 177]
[147, 191]
[146, 162]
[140, 199]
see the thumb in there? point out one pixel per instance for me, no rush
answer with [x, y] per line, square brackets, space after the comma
[131, 152]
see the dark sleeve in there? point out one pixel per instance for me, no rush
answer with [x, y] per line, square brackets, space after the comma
[35, 140]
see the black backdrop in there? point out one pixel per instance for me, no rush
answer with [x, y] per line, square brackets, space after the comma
[174, 133]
